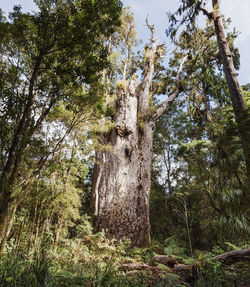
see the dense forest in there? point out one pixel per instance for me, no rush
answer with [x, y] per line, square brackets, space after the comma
[122, 165]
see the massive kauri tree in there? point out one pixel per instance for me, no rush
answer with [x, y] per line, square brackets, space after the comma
[189, 9]
[122, 175]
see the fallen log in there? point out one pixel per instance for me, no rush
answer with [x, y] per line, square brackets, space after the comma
[166, 260]
[153, 273]
[131, 269]
[233, 257]
[186, 272]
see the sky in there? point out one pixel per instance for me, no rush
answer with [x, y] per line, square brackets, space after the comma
[156, 10]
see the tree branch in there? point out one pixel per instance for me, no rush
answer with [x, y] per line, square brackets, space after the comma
[164, 106]
[30, 100]
[206, 13]
[151, 56]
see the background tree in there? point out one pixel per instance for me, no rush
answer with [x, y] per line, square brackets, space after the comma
[189, 11]
[198, 139]
[46, 57]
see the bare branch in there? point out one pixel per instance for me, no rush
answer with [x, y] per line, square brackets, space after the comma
[164, 106]
[206, 13]
[152, 29]
[151, 56]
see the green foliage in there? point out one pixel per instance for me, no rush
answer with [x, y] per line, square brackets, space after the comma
[51, 64]
[186, 14]
[91, 260]
[210, 274]
[145, 254]
[198, 159]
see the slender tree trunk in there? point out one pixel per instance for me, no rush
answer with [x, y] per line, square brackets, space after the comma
[168, 185]
[183, 214]
[241, 114]
[19, 232]
[32, 229]
[15, 153]
[34, 242]
[187, 226]
[7, 233]
[4, 207]
[58, 231]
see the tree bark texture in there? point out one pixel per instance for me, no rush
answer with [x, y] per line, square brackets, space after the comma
[233, 257]
[238, 102]
[122, 177]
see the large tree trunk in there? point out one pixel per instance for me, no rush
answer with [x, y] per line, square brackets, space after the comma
[122, 176]
[238, 102]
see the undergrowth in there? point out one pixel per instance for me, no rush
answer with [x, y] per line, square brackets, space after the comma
[92, 260]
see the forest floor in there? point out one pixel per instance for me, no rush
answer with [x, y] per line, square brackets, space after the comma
[97, 261]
